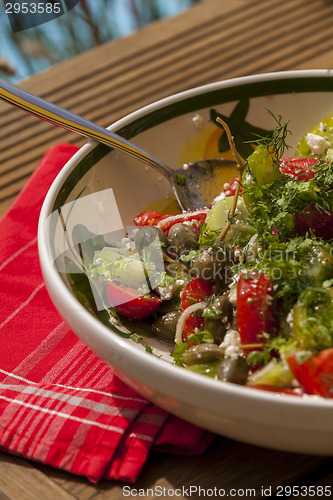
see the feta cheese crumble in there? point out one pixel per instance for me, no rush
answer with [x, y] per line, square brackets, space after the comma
[166, 292]
[317, 143]
[231, 344]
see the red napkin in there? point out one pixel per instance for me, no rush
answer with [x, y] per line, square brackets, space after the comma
[59, 403]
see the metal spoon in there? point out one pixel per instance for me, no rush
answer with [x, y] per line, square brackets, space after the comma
[195, 184]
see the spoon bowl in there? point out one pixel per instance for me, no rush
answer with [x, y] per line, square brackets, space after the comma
[194, 184]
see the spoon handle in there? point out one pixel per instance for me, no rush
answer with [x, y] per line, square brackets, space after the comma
[52, 113]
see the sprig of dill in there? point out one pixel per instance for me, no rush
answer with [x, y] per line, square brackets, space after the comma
[276, 143]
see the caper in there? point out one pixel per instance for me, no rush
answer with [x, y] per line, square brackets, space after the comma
[202, 353]
[212, 263]
[165, 326]
[218, 317]
[233, 370]
[182, 239]
[148, 235]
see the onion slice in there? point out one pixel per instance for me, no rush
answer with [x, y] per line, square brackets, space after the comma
[183, 317]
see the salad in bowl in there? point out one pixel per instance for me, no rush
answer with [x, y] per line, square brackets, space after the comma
[242, 291]
[222, 316]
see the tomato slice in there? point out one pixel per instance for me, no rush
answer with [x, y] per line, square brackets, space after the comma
[149, 218]
[315, 375]
[195, 219]
[298, 168]
[254, 298]
[230, 189]
[165, 222]
[196, 290]
[129, 303]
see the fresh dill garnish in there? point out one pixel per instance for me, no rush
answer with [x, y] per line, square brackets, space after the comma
[276, 204]
[276, 142]
[207, 236]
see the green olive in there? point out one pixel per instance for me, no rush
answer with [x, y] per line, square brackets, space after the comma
[202, 353]
[182, 239]
[218, 318]
[165, 326]
[147, 236]
[212, 264]
[233, 370]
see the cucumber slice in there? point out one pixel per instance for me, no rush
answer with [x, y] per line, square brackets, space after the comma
[218, 215]
[276, 374]
[111, 264]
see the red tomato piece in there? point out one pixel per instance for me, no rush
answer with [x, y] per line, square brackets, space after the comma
[149, 218]
[230, 189]
[195, 219]
[191, 323]
[298, 168]
[129, 303]
[321, 223]
[165, 222]
[316, 374]
[254, 297]
[196, 290]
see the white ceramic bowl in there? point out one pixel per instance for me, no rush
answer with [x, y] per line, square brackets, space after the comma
[96, 181]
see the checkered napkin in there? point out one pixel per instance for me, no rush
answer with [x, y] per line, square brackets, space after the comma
[59, 403]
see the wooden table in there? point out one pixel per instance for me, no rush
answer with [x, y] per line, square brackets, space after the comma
[215, 40]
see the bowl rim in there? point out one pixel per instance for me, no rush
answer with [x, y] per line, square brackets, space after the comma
[209, 87]
[181, 380]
